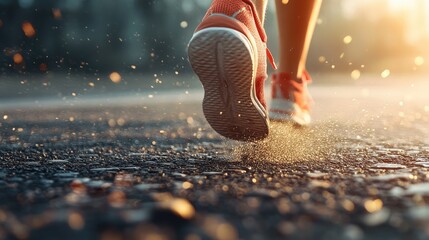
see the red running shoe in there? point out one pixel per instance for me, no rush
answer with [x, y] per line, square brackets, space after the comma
[228, 53]
[290, 99]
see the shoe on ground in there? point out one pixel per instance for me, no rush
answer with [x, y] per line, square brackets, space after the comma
[290, 99]
[228, 53]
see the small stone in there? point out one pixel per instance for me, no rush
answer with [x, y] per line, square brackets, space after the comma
[413, 152]
[91, 155]
[316, 174]
[130, 168]
[237, 171]
[218, 228]
[352, 232]
[66, 174]
[376, 218]
[16, 179]
[58, 161]
[419, 188]
[150, 162]
[135, 215]
[114, 169]
[319, 184]
[422, 164]
[396, 192]
[47, 181]
[148, 186]
[136, 154]
[212, 173]
[373, 205]
[178, 175]
[32, 163]
[419, 213]
[98, 184]
[266, 193]
[169, 209]
[388, 166]
[391, 177]
[169, 164]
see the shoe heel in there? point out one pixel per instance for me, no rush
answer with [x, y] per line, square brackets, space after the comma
[224, 61]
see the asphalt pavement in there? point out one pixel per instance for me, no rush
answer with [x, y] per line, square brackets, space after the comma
[147, 165]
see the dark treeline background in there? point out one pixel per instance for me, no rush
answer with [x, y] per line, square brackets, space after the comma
[98, 36]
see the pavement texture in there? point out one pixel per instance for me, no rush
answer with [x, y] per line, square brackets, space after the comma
[148, 166]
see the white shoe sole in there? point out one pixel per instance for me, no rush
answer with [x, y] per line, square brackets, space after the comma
[226, 64]
[284, 110]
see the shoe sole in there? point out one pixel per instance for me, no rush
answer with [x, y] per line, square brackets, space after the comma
[283, 110]
[224, 61]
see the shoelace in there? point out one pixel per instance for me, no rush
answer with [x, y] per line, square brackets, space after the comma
[271, 59]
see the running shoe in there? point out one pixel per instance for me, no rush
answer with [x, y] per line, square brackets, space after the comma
[290, 99]
[228, 53]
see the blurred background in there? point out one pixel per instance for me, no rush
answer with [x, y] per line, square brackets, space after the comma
[142, 43]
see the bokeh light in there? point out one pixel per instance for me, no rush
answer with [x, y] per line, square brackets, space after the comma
[347, 39]
[28, 29]
[419, 61]
[17, 58]
[115, 77]
[56, 12]
[355, 74]
[385, 73]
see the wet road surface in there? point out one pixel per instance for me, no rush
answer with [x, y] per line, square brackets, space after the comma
[148, 166]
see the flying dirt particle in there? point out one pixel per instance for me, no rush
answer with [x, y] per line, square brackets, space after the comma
[5, 117]
[322, 59]
[190, 120]
[285, 1]
[183, 24]
[347, 39]
[287, 143]
[385, 73]
[115, 77]
[355, 74]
